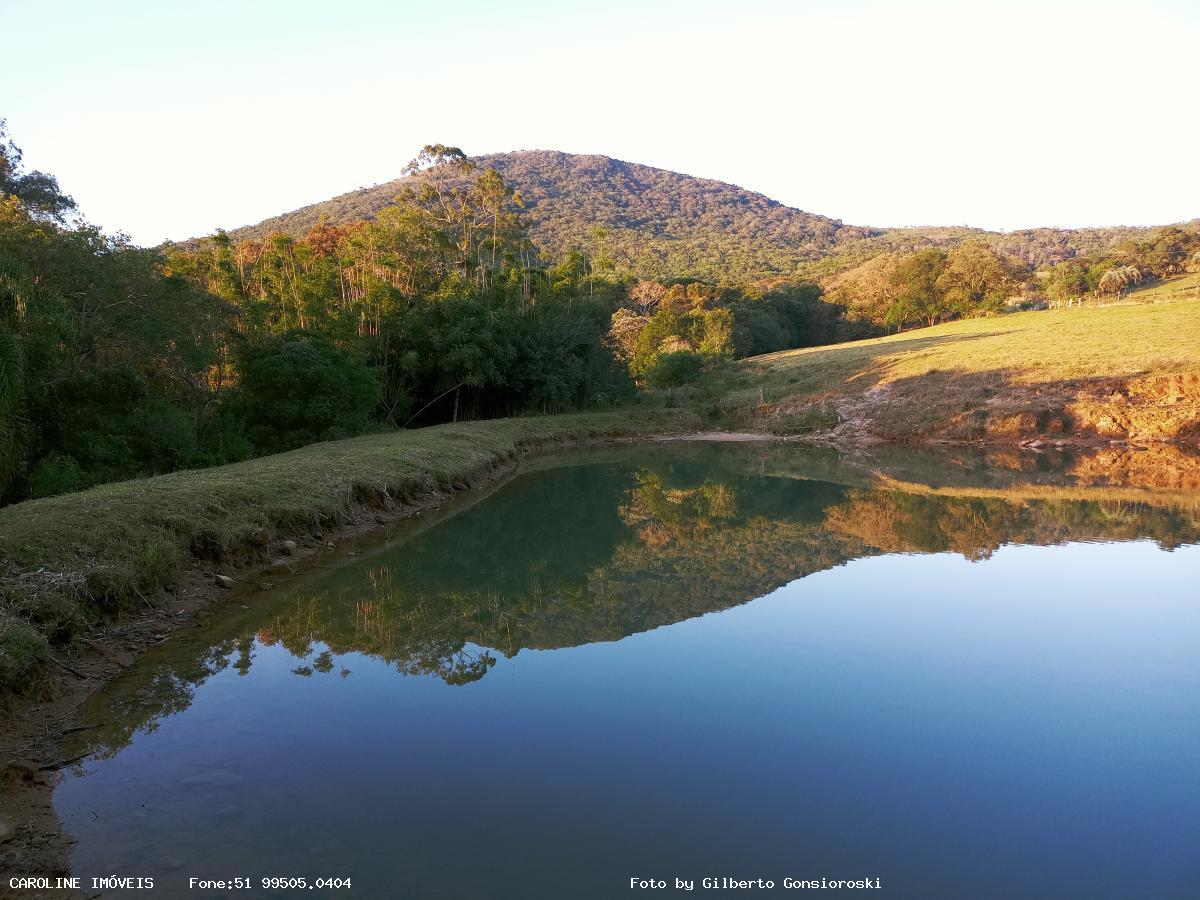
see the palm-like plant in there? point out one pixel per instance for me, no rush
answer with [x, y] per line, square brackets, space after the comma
[1117, 279]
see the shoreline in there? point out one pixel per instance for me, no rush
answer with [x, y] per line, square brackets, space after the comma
[35, 728]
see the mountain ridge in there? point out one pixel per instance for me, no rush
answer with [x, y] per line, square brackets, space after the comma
[661, 223]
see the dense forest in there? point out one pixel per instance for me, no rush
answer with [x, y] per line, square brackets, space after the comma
[118, 361]
[659, 224]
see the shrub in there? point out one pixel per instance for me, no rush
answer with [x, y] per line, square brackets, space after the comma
[299, 388]
[56, 474]
[674, 369]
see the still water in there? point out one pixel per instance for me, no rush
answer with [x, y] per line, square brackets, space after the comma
[684, 662]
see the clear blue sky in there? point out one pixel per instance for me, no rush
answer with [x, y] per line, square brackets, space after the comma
[170, 119]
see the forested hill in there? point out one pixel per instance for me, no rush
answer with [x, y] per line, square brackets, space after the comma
[662, 224]
[655, 222]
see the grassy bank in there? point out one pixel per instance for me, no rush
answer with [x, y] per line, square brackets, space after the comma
[1122, 372]
[66, 561]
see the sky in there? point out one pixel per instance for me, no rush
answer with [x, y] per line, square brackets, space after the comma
[169, 120]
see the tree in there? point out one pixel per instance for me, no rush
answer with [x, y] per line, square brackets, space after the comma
[300, 387]
[646, 294]
[37, 191]
[977, 280]
[674, 368]
[1117, 280]
[1066, 282]
[868, 291]
[625, 328]
[919, 291]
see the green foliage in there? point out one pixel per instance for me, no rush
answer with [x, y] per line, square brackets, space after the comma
[113, 424]
[22, 649]
[298, 388]
[1066, 282]
[56, 474]
[36, 191]
[642, 222]
[629, 219]
[928, 286]
[1164, 254]
[672, 369]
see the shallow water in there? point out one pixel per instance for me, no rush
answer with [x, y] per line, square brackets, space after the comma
[682, 662]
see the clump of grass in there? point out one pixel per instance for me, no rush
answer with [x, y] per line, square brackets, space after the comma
[23, 649]
[67, 560]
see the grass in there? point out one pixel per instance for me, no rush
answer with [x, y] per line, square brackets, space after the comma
[67, 560]
[1186, 287]
[933, 374]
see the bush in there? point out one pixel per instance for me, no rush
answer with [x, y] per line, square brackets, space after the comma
[108, 424]
[299, 388]
[56, 474]
[674, 369]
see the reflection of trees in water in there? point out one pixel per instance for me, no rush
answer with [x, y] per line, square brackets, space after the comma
[893, 521]
[690, 545]
[658, 513]
[417, 636]
[127, 706]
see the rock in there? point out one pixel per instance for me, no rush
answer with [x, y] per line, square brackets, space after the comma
[224, 581]
[281, 563]
[289, 547]
[7, 830]
[22, 770]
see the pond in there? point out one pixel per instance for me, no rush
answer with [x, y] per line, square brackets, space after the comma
[685, 661]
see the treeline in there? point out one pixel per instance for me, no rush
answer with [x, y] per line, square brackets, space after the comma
[108, 366]
[1168, 252]
[668, 334]
[118, 361]
[928, 286]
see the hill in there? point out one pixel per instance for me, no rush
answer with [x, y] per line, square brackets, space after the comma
[657, 222]
[660, 223]
[1087, 376]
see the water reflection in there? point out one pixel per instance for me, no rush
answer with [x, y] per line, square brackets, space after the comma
[610, 544]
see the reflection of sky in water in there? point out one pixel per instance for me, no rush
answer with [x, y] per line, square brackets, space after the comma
[1022, 726]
